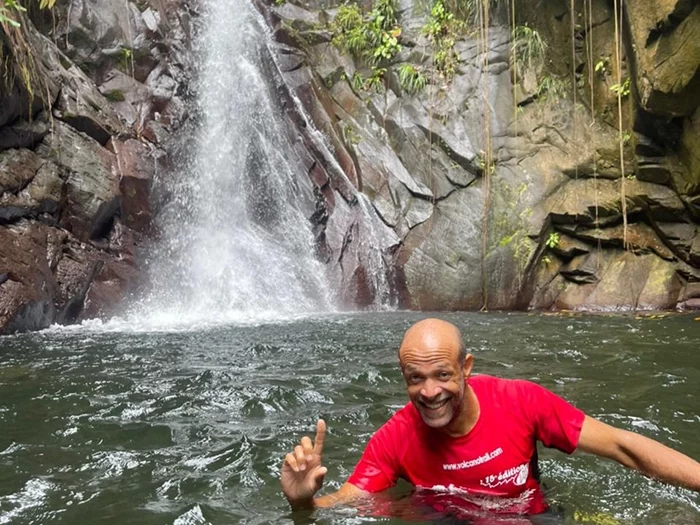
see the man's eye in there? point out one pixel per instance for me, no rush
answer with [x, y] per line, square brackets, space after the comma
[414, 378]
[444, 375]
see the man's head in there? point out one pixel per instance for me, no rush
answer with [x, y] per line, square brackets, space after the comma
[434, 363]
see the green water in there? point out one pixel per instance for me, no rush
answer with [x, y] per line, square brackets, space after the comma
[108, 425]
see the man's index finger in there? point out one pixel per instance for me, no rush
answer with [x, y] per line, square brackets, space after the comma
[320, 437]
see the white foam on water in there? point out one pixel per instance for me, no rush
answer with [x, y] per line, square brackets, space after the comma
[32, 495]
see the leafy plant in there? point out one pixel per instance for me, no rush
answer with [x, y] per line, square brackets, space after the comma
[528, 44]
[349, 31]
[126, 57]
[5, 9]
[552, 87]
[621, 90]
[411, 78]
[552, 240]
[376, 80]
[602, 66]
[441, 29]
[372, 37]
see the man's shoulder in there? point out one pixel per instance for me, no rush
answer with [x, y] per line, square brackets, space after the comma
[498, 387]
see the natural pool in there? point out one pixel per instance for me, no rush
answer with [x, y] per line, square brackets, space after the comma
[123, 425]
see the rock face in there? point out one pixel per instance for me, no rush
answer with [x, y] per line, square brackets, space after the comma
[87, 104]
[502, 187]
[506, 186]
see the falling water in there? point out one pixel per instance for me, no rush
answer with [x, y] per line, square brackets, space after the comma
[236, 238]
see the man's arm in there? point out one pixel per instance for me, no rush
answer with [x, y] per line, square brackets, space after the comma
[640, 453]
[345, 494]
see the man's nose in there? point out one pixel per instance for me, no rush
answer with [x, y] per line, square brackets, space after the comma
[431, 389]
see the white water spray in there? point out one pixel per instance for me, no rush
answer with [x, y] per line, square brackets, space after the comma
[237, 241]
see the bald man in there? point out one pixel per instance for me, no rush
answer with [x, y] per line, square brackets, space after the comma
[472, 435]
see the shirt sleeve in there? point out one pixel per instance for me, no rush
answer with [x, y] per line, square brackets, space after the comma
[378, 468]
[557, 423]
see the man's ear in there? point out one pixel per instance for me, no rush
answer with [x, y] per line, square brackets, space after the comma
[468, 364]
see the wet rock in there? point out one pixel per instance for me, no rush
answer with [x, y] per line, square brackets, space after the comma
[656, 173]
[111, 285]
[83, 107]
[92, 181]
[677, 235]
[687, 182]
[97, 33]
[130, 99]
[26, 295]
[692, 304]
[73, 273]
[582, 269]
[136, 169]
[17, 169]
[23, 134]
[41, 196]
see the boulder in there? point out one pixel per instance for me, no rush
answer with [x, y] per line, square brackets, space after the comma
[24, 134]
[28, 289]
[136, 167]
[618, 280]
[92, 181]
[84, 108]
[586, 201]
[665, 35]
[440, 258]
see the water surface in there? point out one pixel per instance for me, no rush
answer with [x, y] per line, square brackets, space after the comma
[112, 424]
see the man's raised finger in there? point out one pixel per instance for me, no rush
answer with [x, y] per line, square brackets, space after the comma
[320, 437]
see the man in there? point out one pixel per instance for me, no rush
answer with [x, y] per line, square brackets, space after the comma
[472, 435]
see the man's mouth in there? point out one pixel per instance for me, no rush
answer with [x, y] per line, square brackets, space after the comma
[434, 405]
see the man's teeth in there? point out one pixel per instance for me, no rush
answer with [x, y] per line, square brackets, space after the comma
[435, 405]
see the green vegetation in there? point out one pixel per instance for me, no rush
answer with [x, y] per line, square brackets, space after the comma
[8, 6]
[115, 95]
[552, 240]
[442, 29]
[351, 136]
[621, 89]
[527, 44]
[602, 66]
[372, 37]
[411, 78]
[6, 9]
[551, 87]
[126, 59]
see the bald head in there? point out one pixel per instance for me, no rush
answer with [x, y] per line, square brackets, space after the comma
[432, 334]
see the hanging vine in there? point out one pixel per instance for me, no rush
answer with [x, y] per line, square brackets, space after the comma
[487, 160]
[621, 136]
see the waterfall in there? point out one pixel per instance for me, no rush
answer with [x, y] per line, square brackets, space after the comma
[235, 238]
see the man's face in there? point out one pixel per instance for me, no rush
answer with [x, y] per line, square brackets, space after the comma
[435, 383]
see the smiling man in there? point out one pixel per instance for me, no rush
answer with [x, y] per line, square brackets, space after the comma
[473, 436]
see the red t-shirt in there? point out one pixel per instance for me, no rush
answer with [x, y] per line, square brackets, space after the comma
[498, 457]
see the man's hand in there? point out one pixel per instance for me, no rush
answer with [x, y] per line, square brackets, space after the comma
[302, 473]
